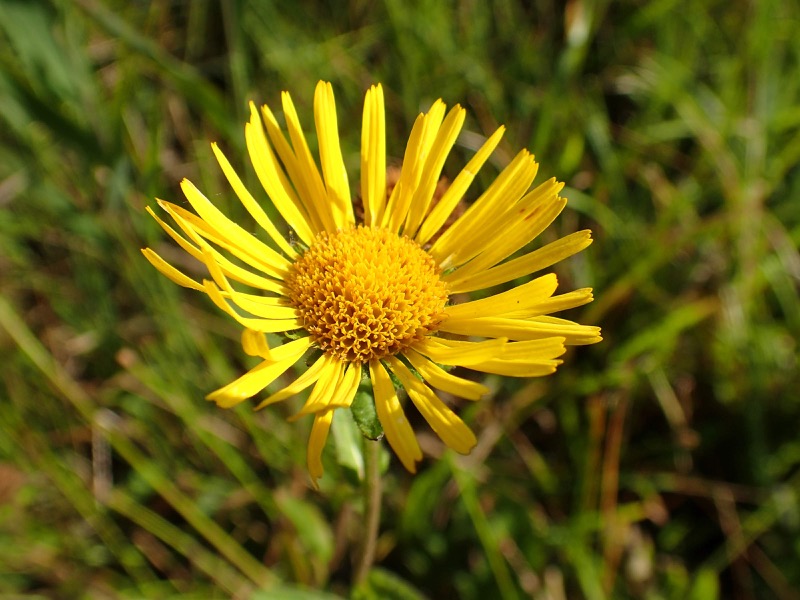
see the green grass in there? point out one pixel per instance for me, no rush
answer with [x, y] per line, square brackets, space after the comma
[660, 464]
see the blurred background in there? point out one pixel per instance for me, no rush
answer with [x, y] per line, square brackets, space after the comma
[663, 463]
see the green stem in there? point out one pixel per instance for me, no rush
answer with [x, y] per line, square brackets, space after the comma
[372, 509]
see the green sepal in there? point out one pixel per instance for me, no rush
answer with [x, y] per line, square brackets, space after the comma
[364, 413]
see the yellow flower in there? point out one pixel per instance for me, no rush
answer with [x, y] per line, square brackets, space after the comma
[380, 293]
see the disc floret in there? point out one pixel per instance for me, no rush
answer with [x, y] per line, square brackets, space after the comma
[366, 293]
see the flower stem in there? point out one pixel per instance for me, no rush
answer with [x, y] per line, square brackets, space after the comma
[372, 508]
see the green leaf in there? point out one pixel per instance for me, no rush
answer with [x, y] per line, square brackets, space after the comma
[312, 528]
[348, 443]
[705, 586]
[29, 28]
[384, 585]
[365, 416]
[293, 593]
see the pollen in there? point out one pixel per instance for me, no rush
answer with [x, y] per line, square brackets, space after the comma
[365, 293]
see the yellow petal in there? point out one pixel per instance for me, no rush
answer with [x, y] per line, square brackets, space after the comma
[514, 220]
[395, 425]
[266, 308]
[432, 170]
[248, 302]
[194, 227]
[347, 390]
[439, 214]
[274, 180]
[442, 380]
[373, 156]
[253, 207]
[534, 358]
[253, 304]
[419, 144]
[503, 192]
[182, 242]
[171, 272]
[513, 329]
[533, 350]
[574, 333]
[328, 382]
[518, 369]
[311, 375]
[261, 376]
[330, 154]
[516, 299]
[555, 304]
[397, 205]
[191, 225]
[340, 393]
[316, 443]
[447, 425]
[254, 343]
[249, 384]
[517, 232]
[458, 353]
[309, 178]
[542, 258]
[522, 329]
[263, 325]
[530, 358]
[294, 169]
[258, 253]
[433, 123]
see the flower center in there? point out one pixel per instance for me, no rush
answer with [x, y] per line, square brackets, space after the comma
[366, 293]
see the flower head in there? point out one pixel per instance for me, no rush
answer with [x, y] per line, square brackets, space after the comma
[377, 295]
